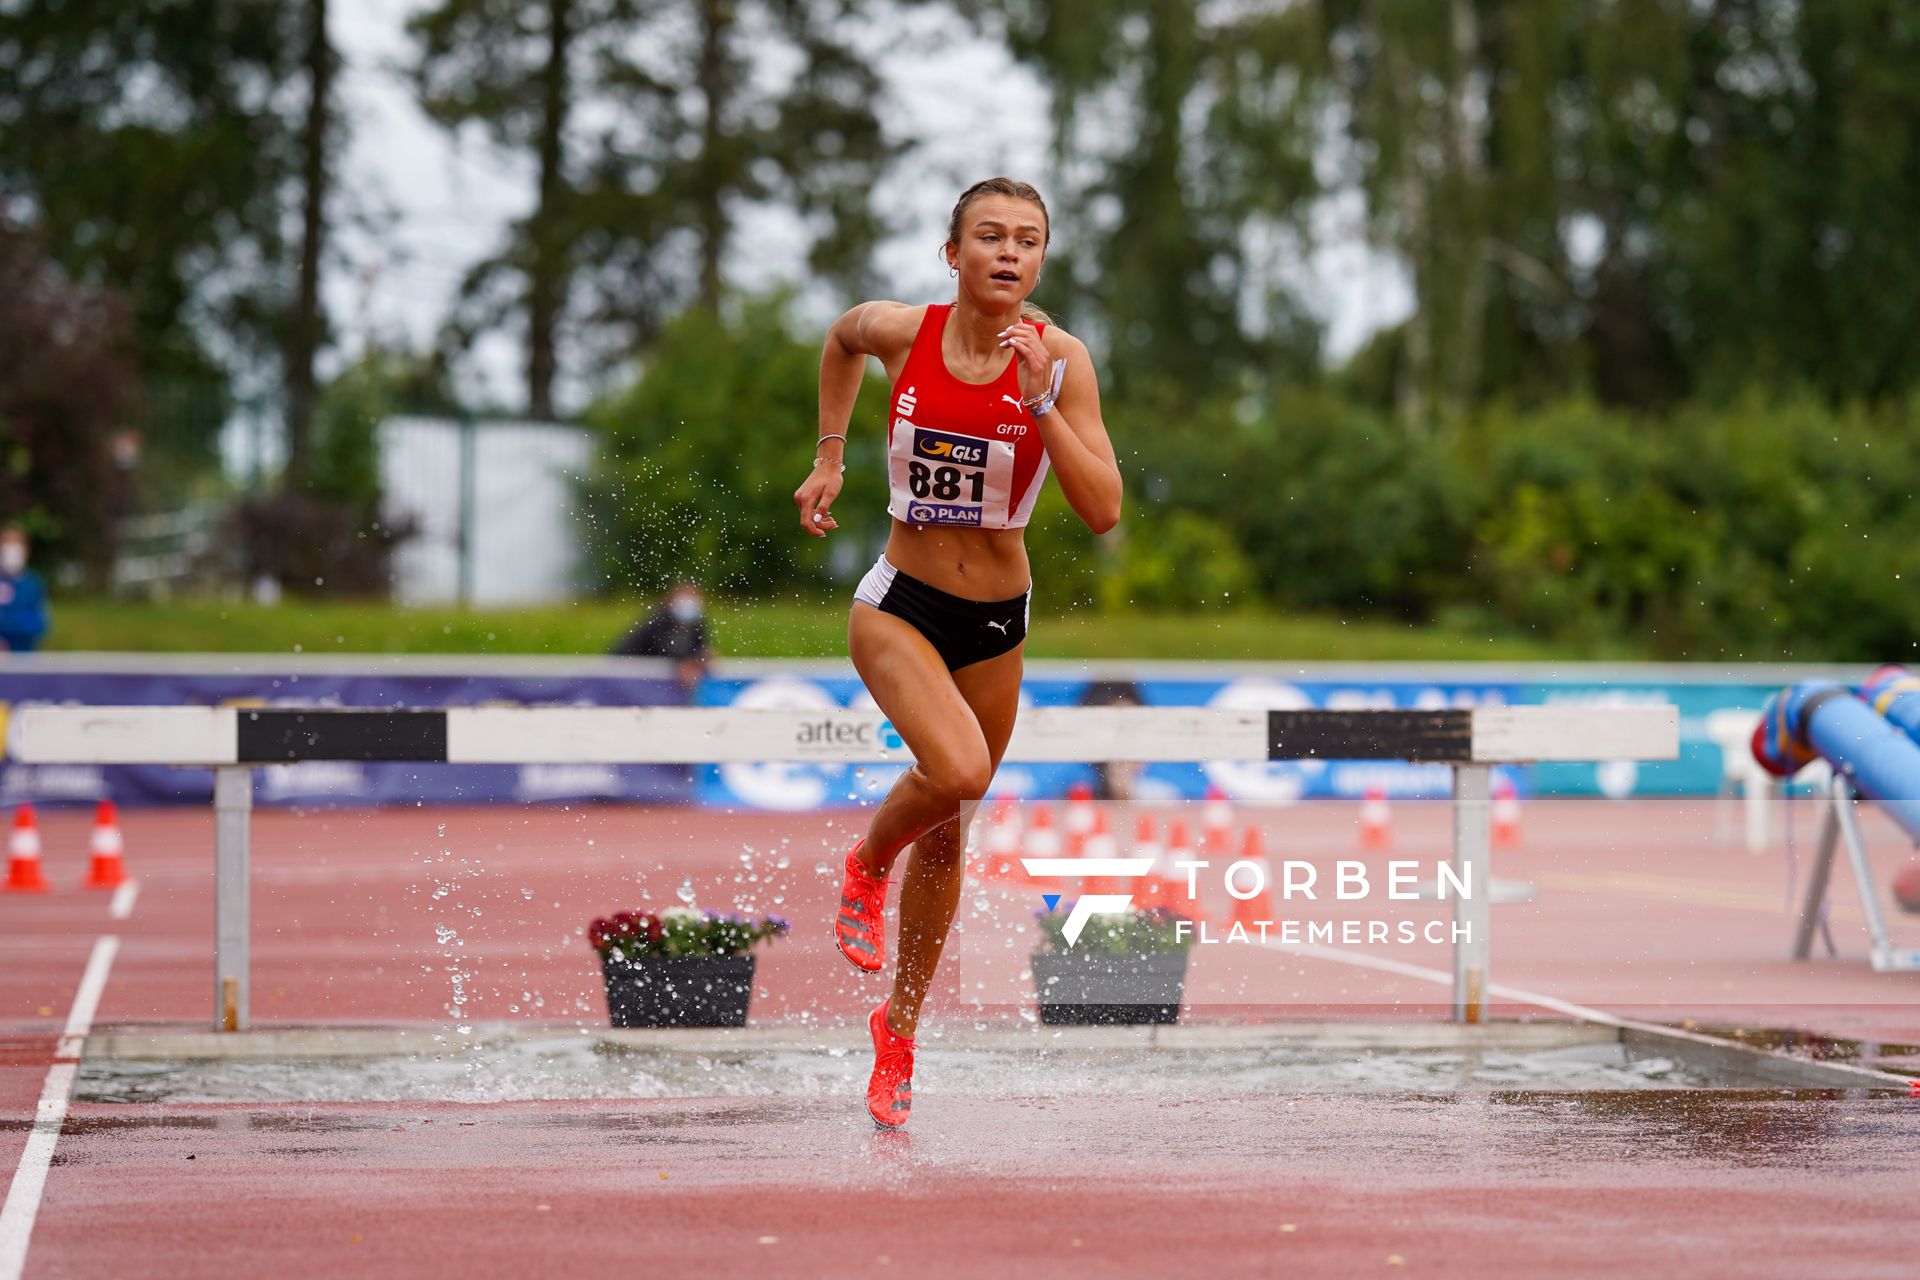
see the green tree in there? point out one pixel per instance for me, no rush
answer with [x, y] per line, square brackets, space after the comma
[1412, 77]
[653, 125]
[701, 458]
[1640, 198]
[155, 150]
[1189, 134]
[306, 324]
[1791, 246]
[66, 380]
[147, 144]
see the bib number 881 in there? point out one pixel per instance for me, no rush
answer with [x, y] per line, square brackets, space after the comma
[943, 482]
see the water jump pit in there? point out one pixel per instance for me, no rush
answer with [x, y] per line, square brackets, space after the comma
[514, 1063]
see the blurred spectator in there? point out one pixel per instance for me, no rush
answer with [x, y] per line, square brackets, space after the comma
[677, 629]
[1114, 780]
[23, 597]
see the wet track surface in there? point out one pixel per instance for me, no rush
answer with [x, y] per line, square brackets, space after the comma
[1509, 1182]
[556, 1156]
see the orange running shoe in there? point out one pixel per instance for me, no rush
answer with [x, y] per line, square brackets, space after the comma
[860, 928]
[890, 1087]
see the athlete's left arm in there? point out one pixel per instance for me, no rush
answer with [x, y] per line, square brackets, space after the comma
[1076, 438]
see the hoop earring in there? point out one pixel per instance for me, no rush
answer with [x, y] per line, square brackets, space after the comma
[953, 271]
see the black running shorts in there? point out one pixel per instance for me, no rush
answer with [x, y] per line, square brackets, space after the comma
[961, 631]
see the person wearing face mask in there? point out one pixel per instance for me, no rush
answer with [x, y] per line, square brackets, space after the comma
[23, 597]
[677, 629]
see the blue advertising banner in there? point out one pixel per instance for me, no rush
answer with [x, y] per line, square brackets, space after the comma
[1698, 771]
[314, 783]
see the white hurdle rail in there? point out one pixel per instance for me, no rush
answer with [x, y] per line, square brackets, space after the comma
[233, 741]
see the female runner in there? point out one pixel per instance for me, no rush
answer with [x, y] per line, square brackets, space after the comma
[986, 397]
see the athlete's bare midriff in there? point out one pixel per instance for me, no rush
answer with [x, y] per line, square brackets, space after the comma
[974, 564]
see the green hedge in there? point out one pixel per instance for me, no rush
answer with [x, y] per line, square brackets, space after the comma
[1759, 529]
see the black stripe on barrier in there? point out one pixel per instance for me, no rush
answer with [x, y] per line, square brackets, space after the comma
[1370, 735]
[274, 737]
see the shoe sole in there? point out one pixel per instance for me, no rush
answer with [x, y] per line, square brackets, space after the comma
[875, 968]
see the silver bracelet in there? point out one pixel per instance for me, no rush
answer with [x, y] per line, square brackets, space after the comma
[831, 435]
[831, 462]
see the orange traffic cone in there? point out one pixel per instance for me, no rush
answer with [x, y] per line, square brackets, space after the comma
[1161, 887]
[999, 857]
[1216, 823]
[1005, 839]
[107, 871]
[1506, 813]
[1150, 891]
[1041, 841]
[1146, 844]
[1173, 877]
[23, 855]
[1080, 818]
[1101, 844]
[1246, 911]
[1376, 820]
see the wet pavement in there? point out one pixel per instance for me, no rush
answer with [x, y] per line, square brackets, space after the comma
[1497, 1182]
[1563, 1158]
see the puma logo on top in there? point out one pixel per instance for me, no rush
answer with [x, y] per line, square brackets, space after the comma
[1001, 627]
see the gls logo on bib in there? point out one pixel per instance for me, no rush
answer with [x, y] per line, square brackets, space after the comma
[941, 447]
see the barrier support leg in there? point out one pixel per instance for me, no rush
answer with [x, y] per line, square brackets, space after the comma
[1821, 873]
[1886, 957]
[232, 815]
[1756, 797]
[1472, 841]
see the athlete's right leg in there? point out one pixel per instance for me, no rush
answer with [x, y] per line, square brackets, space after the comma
[952, 766]
[951, 769]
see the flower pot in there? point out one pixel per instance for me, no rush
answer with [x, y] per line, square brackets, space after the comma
[683, 991]
[1076, 990]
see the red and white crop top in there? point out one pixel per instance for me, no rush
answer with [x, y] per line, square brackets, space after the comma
[960, 453]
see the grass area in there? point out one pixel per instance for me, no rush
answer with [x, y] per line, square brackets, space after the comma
[774, 630]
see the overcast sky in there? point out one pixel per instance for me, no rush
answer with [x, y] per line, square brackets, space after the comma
[975, 111]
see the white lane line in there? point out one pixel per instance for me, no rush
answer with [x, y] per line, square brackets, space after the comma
[30, 1178]
[1362, 960]
[123, 898]
[1440, 977]
[1869, 1077]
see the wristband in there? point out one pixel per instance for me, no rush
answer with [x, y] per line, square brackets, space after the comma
[1041, 405]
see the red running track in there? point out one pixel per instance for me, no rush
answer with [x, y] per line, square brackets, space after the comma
[1637, 911]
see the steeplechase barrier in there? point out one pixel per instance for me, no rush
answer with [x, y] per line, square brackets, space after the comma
[233, 741]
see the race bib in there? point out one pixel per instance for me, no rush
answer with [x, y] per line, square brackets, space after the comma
[938, 477]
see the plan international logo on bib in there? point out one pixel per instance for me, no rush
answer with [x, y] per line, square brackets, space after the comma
[939, 513]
